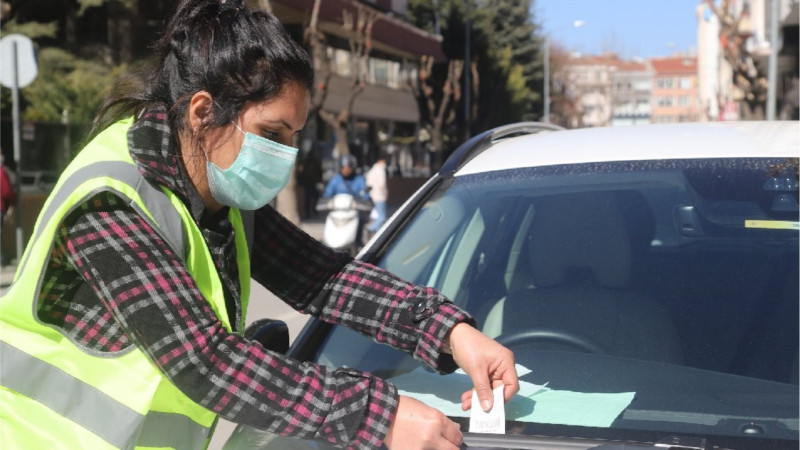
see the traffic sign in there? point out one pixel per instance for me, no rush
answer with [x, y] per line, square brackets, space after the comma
[21, 46]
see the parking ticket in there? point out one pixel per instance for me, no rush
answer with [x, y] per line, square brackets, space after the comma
[493, 421]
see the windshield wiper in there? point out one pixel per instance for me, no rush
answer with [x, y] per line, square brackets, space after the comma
[477, 441]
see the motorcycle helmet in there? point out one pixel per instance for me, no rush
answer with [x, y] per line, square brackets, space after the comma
[348, 161]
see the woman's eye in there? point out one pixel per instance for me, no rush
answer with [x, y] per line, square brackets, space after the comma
[271, 135]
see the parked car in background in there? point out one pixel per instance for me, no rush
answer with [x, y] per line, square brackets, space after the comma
[646, 279]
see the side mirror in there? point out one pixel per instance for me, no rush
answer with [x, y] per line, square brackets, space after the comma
[272, 334]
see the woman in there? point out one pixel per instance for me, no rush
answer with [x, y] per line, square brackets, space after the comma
[122, 325]
[378, 191]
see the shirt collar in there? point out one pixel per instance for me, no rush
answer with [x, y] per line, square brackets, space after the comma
[155, 150]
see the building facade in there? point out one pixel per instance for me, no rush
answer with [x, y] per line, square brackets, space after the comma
[674, 90]
[588, 81]
[396, 48]
[606, 90]
[631, 83]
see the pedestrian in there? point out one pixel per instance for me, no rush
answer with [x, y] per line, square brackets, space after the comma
[122, 326]
[8, 200]
[378, 191]
[8, 196]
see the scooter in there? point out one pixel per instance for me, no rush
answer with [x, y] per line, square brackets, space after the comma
[341, 224]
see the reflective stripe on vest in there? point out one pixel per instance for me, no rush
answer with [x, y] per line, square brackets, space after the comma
[84, 404]
[168, 219]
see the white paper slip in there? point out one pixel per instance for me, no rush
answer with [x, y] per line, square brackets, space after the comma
[493, 421]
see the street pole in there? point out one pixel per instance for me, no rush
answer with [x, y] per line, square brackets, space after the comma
[17, 151]
[546, 117]
[772, 76]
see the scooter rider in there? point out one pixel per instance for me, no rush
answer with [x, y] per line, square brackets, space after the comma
[348, 181]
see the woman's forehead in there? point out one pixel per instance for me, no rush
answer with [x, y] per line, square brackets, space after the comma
[289, 106]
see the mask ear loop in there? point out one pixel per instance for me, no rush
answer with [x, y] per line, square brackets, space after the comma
[208, 160]
[239, 128]
[203, 148]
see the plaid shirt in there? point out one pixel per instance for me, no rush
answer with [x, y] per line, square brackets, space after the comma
[111, 283]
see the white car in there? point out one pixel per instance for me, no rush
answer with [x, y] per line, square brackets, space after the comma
[646, 279]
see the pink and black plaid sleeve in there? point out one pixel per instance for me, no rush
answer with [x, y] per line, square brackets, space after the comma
[148, 299]
[336, 288]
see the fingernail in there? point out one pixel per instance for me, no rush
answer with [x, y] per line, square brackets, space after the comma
[487, 405]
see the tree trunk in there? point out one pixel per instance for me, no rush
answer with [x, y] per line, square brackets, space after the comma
[437, 142]
[286, 202]
[122, 24]
[752, 110]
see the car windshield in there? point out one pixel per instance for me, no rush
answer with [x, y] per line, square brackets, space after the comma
[653, 295]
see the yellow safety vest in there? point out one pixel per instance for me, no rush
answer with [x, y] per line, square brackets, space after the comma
[55, 393]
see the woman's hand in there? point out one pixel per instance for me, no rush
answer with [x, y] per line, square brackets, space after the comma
[418, 426]
[485, 361]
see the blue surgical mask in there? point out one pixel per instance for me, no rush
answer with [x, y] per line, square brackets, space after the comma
[259, 172]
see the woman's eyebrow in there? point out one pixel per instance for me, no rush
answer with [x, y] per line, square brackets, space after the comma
[282, 122]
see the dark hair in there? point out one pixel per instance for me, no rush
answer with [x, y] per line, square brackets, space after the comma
[217, 46]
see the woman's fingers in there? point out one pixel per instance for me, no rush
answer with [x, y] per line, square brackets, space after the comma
[485, 361]
[417, 425]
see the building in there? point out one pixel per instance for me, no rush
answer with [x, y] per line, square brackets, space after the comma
[385, 114]
[631, 83]
[715, 88]
[606, 90]
[587, 80]
[674, 92]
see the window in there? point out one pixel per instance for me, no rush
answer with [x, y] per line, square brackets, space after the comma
[642, 85]
[665, 101]
[380, 71]
[340, 61]
[664, 83]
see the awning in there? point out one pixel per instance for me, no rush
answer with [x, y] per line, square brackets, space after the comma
[374, 102]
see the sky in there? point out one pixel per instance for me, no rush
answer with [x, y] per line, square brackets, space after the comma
[631, 28]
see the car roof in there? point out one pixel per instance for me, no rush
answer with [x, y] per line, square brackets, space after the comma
[641, 142]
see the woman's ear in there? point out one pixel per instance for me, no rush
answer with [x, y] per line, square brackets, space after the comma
[199, 110]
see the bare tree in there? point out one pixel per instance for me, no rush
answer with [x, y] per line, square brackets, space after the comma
[314, 42]
[748, 76]
[359, 32]
[565, 106]
[442, 114]
[476, 84]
